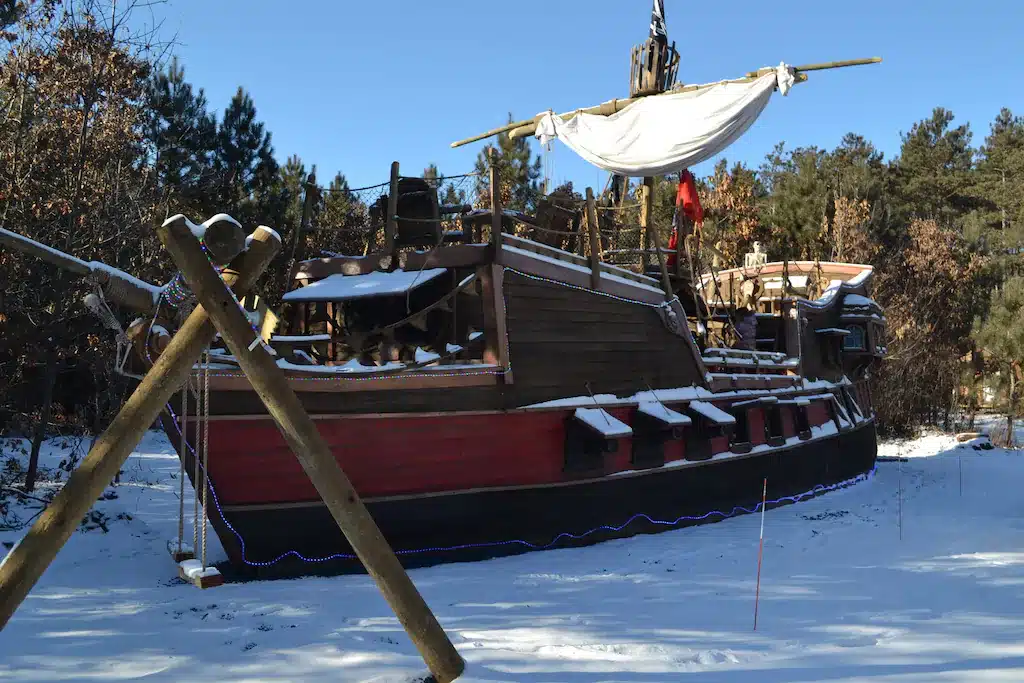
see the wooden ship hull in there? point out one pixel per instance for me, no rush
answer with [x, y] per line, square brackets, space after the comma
[570, 414]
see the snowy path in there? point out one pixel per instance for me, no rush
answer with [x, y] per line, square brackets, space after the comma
[842, 598]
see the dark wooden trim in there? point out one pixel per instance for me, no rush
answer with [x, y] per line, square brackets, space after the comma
[566, 273]
[227, 380]
[454, 256]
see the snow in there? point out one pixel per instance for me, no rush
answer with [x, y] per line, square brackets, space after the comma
[843, 599]
[299, 339]
[44, 247]
[857, 300]
[716, 415]
[153, 290]
[378, 283]
[265, 228]
[194, 569]
[603, 422]
[832, 330]
[660, 412]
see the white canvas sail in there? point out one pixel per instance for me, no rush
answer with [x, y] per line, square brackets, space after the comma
[665, 133]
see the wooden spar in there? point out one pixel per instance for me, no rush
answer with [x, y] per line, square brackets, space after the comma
[391, 220]
[666, 284]
[527, 127]
[30, 558]
[313, 453]
[118, 286]
[595, 241]
[496, 213]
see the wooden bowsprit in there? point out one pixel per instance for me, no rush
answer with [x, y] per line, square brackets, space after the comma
[315, 456]
[25, 563]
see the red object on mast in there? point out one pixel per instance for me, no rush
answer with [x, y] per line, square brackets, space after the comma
[688, 202]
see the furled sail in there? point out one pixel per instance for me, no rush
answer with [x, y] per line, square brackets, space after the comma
[664, 133]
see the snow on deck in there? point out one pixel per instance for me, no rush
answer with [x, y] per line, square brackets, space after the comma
[378, 283]
[842, 598]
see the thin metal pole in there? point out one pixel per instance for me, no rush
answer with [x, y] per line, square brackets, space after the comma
[760, 552]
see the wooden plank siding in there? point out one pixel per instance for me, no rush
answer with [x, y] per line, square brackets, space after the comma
[561, 339]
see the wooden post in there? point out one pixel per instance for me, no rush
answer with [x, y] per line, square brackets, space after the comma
[27, 562]
[646, 206]
[315, 455]
[495, 204]
[309, 196]
[595, 241]
[391, 220]
[651, 235]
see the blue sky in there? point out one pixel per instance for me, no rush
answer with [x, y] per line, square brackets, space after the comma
[352, 86]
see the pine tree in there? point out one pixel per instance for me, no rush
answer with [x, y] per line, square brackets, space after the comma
[799, 201]
[293, 179]
[1000, 337]
[519, 173]
[249, 187]
[1000, 172]
[932, 169]
[182, 136]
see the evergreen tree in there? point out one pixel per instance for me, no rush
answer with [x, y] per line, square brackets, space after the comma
[1000, 336]
[249, 187]
[932, 169]
[1000, 180]
[519, 173]
[799, 204]
[182, 135]
[292, 182]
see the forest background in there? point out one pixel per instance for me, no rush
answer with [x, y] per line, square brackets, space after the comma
[102, 137]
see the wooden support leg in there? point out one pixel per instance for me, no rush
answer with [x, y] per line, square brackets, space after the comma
[27, 562]
[314, 454]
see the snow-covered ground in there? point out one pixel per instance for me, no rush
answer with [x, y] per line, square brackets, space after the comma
[843, 598]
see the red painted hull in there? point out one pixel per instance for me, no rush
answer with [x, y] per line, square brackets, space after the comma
[390, 455]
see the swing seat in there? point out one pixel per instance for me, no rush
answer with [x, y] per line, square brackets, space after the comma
[193, 572]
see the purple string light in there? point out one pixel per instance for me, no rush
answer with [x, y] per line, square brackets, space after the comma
[738, 509]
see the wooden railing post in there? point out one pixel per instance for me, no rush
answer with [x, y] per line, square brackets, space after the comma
[595, 241]
[26, 563]
[646, 204]
[495, 204]
[315, 456]
[648, 211]
[391, 224]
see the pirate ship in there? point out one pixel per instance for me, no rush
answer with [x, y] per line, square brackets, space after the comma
[495, 382]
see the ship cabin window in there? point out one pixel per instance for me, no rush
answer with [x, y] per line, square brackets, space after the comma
[855, 340]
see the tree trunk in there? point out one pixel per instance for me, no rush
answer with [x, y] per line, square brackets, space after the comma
[49, 379]
[1010, 441]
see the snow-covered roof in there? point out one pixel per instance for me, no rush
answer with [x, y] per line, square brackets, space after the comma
[659, 411]
[713, 413]
[340, 287]
[603, 422]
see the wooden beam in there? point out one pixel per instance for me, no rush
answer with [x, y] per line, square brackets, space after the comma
[315, 455]
[495, 205]
[595, 241]
[27, 562]
[391, 222]
[666, 284]
[646, 207]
